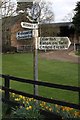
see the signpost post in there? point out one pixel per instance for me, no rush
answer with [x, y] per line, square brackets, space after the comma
[35, 13]
[35, 61]
[35, 52]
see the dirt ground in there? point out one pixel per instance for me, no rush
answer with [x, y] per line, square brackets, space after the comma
[61, 55]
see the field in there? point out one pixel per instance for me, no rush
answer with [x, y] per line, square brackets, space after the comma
[21, 65]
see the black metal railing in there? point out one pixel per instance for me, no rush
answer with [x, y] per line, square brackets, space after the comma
[7, 90]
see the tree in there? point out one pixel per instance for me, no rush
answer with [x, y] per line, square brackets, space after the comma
[69, 16]
[46, 15]
[8, 9]
[23, 6]
[76, 18]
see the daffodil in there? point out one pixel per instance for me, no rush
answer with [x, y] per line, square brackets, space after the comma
[27, 108]
[17, 99]
[13, 94]
[77, 114]
[50, 109]
[0, 90]
[20, 96]
[30, 107]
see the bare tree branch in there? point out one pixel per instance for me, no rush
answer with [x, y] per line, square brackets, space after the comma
[46, 15]
[69, 16]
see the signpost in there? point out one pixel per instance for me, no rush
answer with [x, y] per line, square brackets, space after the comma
[53, 43]
[35, 13]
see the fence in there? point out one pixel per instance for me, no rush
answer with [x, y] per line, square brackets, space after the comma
[7, 90]
[24, 48]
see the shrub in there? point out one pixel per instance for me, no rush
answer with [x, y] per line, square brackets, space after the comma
[8, 48]
[77, 52]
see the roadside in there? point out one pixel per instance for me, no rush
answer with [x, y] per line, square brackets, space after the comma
[62, 55]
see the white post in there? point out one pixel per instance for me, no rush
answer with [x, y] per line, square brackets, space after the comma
[35, 61]
[74, 47]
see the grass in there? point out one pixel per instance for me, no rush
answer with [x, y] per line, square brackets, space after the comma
[21, 65]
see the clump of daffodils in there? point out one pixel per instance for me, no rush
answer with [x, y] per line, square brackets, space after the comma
[29, 105]
[27, 108]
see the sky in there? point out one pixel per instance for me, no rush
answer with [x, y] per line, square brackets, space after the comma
[62, 8]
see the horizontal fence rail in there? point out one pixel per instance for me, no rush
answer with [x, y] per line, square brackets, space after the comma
[66, 87]
[7, 89]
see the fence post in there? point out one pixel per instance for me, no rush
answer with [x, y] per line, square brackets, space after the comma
[6, 84]
[79, 97]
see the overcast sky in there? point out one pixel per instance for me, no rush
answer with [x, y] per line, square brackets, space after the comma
[62, 7]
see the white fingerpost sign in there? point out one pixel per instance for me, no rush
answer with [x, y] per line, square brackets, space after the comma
[29, 25]
[54, 43]
[24, 35]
